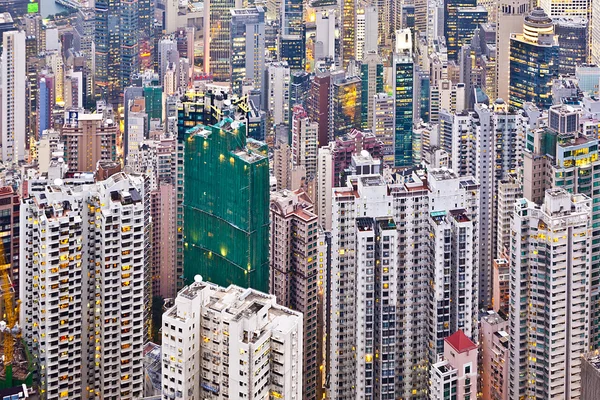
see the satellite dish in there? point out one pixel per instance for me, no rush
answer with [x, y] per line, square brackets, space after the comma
[198, 278]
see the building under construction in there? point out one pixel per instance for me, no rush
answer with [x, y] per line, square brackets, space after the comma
[226, 206]
[20, 370]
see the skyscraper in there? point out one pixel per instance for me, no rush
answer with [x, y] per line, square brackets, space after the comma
[13, 82]
[304, 142]
[573, 43]
[292, 43]
[348, 32]
[247, 47]
[569, 9]
[534, 61]
[116, 45]
[346, 106]
[371, 74]
[451, 21]
[403, 79]
[226, 206]
[217, 48]
[382, 124]
[552, 245]
[80, 324]
[510, 20]
[294, 273]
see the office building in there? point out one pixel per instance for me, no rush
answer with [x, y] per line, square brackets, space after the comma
[80, 324]
[588, 77]
[247, 47]
[366, 31]
[403, 81]
[560, 228]
[534, 61]
[573, 43]
[469, 19]
[595, 32]
[348, 32]
[451, 21]
[226, 201]
[88, 139]
[45, 102]
[494, 355]
[294, 274]
[292, 39]
[13, 81]
[456, 373]
[570, 9]
[258, 343]
[318, 104]
[116, 50]
[217, 47]
[346, 93]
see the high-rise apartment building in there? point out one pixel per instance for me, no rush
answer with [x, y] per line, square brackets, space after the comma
[318, 104]
[595, 32]
[293, 268]
[403, 83]
[534, 61]
[13, 81]
[88, 138]
[494, 356]
[371, 75]
[383, 123]
[226, 206]
[304, 142]
[230, 342]
[548, 334]
[83, 311]
[277, 94]
[375, 228]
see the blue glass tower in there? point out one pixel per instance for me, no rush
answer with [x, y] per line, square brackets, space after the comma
[403, 69]
[534, 61]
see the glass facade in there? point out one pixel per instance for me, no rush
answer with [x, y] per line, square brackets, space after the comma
[573, 41]
[346, 106]
[532, 69]
[369, 72]
[451, 24]
[403, 92]
[226, 230]
[220, 51]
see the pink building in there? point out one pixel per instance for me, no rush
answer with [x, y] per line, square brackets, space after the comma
[454, 376]
[494, 356]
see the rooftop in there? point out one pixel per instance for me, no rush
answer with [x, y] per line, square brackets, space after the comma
[460, 342]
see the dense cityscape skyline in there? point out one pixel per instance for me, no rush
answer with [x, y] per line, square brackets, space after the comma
[300, 199]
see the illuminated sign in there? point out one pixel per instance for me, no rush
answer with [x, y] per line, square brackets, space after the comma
[33, 8]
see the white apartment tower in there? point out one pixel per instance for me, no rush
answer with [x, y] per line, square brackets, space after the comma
[304, 141]
[225, 343]
[397, 285]
[278, 93]
[13, 81]
[550, 271]
[83, 287]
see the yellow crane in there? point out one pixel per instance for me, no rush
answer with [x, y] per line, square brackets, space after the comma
[11, 331]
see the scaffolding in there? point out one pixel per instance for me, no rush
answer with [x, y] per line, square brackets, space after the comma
[226, 206]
